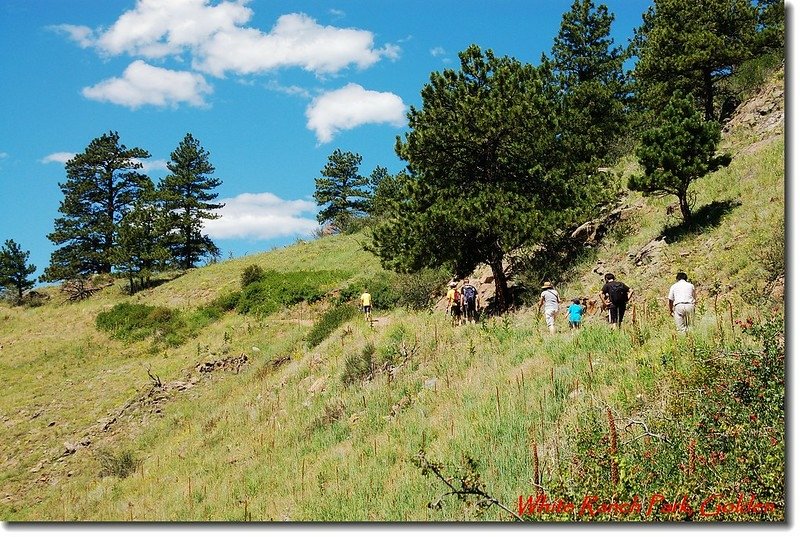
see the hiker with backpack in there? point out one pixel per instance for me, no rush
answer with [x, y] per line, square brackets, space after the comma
[469, 301]
[454, 304]
[682, 298]
[615, 296]
[550, 299]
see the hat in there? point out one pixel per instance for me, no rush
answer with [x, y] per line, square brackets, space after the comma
[452, 284]
[547, 285]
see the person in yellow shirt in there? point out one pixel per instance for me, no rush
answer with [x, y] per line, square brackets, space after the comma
[454, 304]
[366, 305]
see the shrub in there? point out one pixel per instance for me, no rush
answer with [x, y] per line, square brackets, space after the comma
[133, 322]
[251, 274]
[414, 291]
[226, 302]
[417, 290]
[330, 321]
[136, 322]
[360, 366]
[274, 290]
[121, 465]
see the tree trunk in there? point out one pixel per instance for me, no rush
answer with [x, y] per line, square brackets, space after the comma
[708, 88]
[501, 295]
[686, 211]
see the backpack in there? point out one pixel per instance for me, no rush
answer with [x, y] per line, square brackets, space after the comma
[469, 292]
[456, 296]
[617, 292]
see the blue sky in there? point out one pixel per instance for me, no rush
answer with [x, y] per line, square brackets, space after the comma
[269, 88]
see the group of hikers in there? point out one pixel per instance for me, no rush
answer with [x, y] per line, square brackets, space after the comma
[614, 297]
[463, 303]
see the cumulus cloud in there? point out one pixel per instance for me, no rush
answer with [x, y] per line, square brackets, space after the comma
[219, 42]
[296, 40]
[61, 158]
[350, 107]
[143, 84]
[262, 216]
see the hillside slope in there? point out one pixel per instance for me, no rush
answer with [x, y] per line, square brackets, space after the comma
[243, 421]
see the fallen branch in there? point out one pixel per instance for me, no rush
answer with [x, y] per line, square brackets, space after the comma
[471, 484]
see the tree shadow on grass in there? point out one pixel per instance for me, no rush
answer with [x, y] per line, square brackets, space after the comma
[705, 218]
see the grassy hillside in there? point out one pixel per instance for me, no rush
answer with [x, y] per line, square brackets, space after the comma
[335, 432]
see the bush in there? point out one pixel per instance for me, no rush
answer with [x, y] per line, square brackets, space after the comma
[121, 465]
[136, 322]
[389, 290]
[718, 426]
[226, 302]
[381, 287]
[251, 274]
[330, 321]
[274, 290]
[359, 367]
[417, 290]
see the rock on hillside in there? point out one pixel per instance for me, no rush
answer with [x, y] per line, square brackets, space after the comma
[763, 114]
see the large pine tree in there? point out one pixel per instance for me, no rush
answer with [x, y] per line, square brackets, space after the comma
[587, 68]
[690, 47]
[485, 175]
[187, 194]
[102, 184]
[342, 191]
[142, 248]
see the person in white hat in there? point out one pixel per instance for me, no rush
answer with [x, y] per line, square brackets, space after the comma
[550, 300]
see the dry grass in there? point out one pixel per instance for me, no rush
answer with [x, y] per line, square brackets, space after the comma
[295, 442]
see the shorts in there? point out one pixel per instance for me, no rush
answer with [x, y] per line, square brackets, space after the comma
[367, 309]
[574, 324]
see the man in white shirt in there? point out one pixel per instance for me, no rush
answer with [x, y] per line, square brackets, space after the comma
[550, 300]
[682, 298]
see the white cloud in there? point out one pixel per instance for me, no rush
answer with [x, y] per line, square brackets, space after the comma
[262, 216]
[350, 107]
[82, 35]
[219, 42]
[288, 90]
[60, 157]
[438, 51]
[155, 28]
[143, 84]
[296, 40]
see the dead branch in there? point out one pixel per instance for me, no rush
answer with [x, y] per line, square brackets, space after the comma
[643, 425]
[470, 485]
[155, 378]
